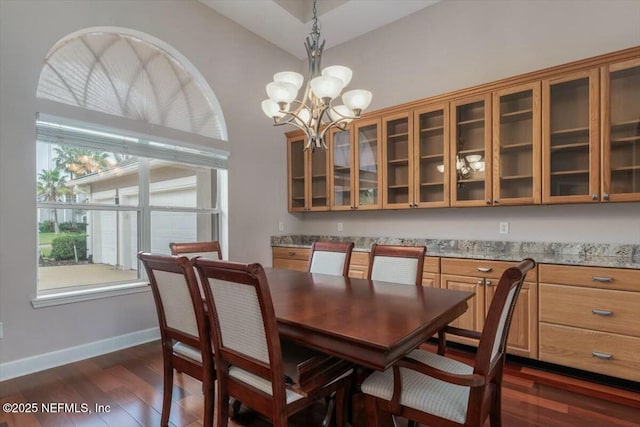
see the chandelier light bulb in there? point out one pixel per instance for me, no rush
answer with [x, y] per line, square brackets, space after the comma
[282, 92]
[341, 114]
[304, 115]
[339, 71]
[292, 77]
[357, 99]
[271, 109]
[326, 87]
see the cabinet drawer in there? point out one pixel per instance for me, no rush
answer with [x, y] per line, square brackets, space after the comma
[301, 254]
[592, 277]
[431, 264]
[480, 268]
[598, 309]
[579, 348]
[359, 265]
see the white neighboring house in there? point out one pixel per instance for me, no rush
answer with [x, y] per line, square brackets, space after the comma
[112, 236]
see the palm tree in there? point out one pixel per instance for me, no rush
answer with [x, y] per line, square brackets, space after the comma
[51, 187]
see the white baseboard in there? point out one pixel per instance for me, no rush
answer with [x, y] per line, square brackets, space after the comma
[40, 362]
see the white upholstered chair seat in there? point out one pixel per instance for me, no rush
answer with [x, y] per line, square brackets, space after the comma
[326, 262]
[187, 351]
[260, 383]
[395, 269]
[422, 392]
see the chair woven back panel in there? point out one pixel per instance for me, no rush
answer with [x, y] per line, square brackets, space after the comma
[176, 302]
[395, 269]
[240, 319]
[326, 262]
[503, 321]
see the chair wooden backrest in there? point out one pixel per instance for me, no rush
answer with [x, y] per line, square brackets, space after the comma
[193, 249]
[399, 264]
[184, 330]
[247, 346]
[330, 258]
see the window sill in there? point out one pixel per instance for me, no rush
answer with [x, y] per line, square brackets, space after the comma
[69, 297]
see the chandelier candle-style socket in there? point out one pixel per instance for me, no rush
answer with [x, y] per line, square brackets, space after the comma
[315, 113]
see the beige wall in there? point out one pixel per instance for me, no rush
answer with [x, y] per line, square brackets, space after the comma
[457, 44]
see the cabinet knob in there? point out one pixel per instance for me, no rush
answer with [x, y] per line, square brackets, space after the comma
[605, 196]
[488, 201]
[594, 197]
[480, 282]
[600, 355]
[601, 312]
[488, 282]
[496, 201]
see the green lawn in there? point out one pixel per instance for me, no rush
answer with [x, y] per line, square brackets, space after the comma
[46, 238]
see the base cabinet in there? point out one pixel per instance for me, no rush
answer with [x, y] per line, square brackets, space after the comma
[291, 258]
[481, 277]
[590, 319]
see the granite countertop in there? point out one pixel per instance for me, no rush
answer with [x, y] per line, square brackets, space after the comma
[586, 254]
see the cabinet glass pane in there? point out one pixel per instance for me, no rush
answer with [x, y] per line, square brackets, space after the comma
[368, 165]
[624, 87]
[398, 160]
[569, 123]
[318, 173]
[432, 161]
[342, 168]
[516, 145]
[470, 153]
[297, 174]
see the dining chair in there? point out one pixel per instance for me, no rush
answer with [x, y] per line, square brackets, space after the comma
[433, 389]
[249, 357]
[330, 258]
[209, 249]
[184, 330]
[399, 264]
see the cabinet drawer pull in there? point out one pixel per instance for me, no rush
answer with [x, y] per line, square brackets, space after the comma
[485, 269]
[599, 355]
[602, 312]
[292, 253]
[603, 279]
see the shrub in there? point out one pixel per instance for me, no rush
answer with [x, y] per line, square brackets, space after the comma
[46, 227]
[62, 246]
[73, 227]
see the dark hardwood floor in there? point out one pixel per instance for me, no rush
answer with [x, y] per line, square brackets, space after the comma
[129, 384]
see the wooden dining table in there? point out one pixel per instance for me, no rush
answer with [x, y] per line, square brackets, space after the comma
[370, 323]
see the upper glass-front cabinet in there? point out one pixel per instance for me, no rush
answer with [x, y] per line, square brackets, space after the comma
[398, 162]
[571, 139]
[516, 141]
[621, 132]
[431, 155]
[308, 177]
[355, 166]
[470, 162]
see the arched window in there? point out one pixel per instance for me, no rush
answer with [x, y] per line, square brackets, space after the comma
[106, 193]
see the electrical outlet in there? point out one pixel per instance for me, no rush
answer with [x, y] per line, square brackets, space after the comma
[340, 227]
[281, 226]
[504, 228]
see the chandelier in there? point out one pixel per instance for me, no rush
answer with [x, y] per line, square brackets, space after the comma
[314, 113]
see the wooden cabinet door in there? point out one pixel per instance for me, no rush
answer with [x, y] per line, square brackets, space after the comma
[367, 160]
[318, 180]
[621, 132]
[297, 172]
[431, 156]
[523, 335]
[341, 172]
[571, 138]
[470, 146]
[473, 318]
[516, 145]
[397, 154]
